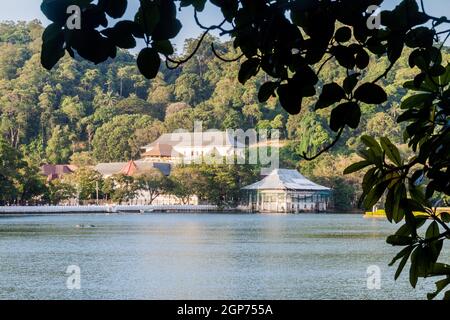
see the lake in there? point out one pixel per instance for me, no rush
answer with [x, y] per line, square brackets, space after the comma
[200, 256]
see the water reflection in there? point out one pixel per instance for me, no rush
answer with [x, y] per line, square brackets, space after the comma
[169, 256]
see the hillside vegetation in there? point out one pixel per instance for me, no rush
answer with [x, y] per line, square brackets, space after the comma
[85, 113]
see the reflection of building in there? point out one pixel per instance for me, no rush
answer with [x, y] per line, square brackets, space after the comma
[188, 146]
[286, 190]
[130, 168]
[53, 172]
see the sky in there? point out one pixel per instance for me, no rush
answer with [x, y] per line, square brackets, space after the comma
[29, 10]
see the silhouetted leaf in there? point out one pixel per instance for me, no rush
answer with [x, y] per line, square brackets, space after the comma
[391, 151]
[440, 285]
[375, 194]
[331, 93]
[248, 69]
[397, 240]
[347, 113]
[199, 5]
[114, 8]
[343, 34]
[290, 98]
[433, 230]
[372, 144]
[357, 166]
[163, 46]
[52, 46]
[148, 17]
[149, 62]
[362, 59]
[350, 82]
[267, 90]
[122, 34]
[370, 93]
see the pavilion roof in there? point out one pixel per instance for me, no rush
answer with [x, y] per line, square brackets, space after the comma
[286, 179]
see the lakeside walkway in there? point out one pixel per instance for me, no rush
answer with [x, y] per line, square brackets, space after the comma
[106, 209]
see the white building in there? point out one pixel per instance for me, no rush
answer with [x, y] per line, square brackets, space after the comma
[189, 146]
[285, 190]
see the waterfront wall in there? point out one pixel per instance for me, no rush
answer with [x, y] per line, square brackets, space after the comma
[106, 209]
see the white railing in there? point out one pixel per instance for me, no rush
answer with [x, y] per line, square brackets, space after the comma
[104, 209]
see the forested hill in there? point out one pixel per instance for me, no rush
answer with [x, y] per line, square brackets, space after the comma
[110, 110]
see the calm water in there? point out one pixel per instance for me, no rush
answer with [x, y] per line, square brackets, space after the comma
[204, 256]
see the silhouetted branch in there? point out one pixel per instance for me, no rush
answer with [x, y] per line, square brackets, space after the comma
[180, 62]
[336, 139]
[222, 58]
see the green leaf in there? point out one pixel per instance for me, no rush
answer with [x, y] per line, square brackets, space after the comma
[248, 69]
[440, 269]
[445, 78]
[440, 285]
[405, 251]
[357, 166]
[370, 93]
[414, 269]
[267, 90]
[397, 240]
[416, 101]
[432, 230]
[331, 93]
[404, 254]
[392, 205]
[391, 151]
[149, 62]
[445, 216]
[369, 180]
[375, 194]
[372, 144]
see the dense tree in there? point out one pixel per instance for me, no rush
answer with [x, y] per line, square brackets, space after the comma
[59, 191]
[10, 163]
[58, 147]
[123, 189]
[112, 141]
[82, 159]
[87, 183]
[186, 182]
[293, 51]
[153, 182]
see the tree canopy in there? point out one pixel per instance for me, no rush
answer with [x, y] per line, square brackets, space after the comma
[291, 42]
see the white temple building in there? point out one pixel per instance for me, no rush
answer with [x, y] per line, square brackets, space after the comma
[186, 147]
[285, 190]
